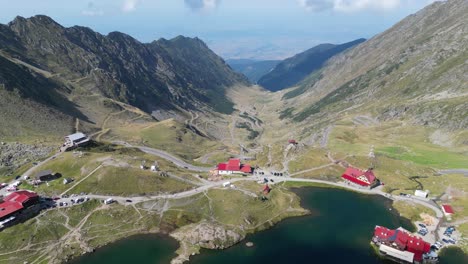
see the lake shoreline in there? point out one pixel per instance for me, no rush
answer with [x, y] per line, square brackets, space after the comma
[299, 191]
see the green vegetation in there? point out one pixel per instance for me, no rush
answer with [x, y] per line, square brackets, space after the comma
[411, 211]
[252, 133]
[168, 135]
[311, 158]
[119, 175]
[129, 181]
[253, 119]
[286, 113]
[305, 85]
[336, 96]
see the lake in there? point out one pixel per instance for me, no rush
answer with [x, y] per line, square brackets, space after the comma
[338, 230]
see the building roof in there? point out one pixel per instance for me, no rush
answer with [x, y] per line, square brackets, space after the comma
[43, 173]
[222, 166]
[246, 168]
[76, 136]
[353, 175]
[403, 255]
[404, 241]
[233, 165]
[15, 202]
[21, 196]
[447, 209]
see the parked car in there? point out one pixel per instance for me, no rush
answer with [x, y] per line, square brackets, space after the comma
[422, 225]
[128, 201]
[445, 240]
[16, 183]
[11, 188]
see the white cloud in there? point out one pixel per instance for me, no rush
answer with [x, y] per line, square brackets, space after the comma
[349, 5]
[91, 10]
[316, 5]
[202, 5]
[92, 13]
[129, 5]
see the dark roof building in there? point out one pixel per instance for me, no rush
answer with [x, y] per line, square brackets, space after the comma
[45, 175]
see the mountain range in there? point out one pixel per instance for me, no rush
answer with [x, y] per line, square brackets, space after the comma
[414, 71]
[49, 66]
[253, 69]
[292, 70]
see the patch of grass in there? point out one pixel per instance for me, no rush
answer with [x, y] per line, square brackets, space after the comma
[168, 135]
[311, 158]
[286, 113]
[252, 133]
[338, 95]
[129, 181]
[305, 85]
[411, 211]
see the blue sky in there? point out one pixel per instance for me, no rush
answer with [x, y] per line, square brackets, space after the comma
[262, 29]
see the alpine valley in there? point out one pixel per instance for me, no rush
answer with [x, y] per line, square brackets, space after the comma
[181, 144]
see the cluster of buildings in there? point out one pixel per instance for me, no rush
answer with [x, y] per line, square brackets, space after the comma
[18, 206]
[402, 247]
[233, 166]
[362, 178]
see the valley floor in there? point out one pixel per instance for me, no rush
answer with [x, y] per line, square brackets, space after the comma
[180, 200]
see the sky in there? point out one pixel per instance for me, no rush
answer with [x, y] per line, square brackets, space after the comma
[256, 29]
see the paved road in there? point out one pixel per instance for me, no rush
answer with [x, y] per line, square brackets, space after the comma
[167, 156]
[424, 202]
[455, 171]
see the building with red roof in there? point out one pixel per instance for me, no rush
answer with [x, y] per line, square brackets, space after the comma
[266, 189]
[362, 178]
[448, 210]
[401, 240]
[233, 166]
[16, 202]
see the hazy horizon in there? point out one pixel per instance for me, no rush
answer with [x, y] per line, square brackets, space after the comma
[262, 29]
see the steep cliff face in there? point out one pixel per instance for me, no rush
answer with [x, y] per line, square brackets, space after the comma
[415, 70]
[182, 72]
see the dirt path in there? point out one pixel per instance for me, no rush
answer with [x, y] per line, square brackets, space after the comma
[78, 182]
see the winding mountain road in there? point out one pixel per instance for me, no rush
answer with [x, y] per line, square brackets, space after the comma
[167, 156]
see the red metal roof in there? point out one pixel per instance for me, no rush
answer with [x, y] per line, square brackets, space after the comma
[353, 174]
[355, 180]
[233, 165]
[222, 166]
[15, 202]
[448, 209]
[404, 241]
[21, 196]
[246, 168]
[8, 208]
